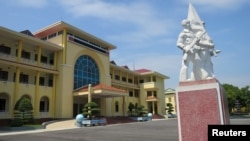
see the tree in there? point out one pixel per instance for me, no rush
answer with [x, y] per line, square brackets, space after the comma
[245, 97]
[231, 93]
[170, 108]
[234, 94]
[91, 110]
[131, 106]
[25, 107]
[140, 111]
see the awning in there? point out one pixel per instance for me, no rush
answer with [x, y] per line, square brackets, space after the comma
[99, 91]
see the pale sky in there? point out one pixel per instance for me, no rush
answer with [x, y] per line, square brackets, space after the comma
[145, 31]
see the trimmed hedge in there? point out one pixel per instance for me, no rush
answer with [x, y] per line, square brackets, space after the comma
[16, 122]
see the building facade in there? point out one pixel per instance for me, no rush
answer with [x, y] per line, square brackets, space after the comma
[170, 98]
[60, 68]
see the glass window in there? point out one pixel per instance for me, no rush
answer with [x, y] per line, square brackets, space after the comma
[85, 72]
[154, 79]
[41, 81]
[59, 32]
[3, 75]
[4, 49]
[116, 106]
[149, 93]
[124, 79]
[136, 93]
[169, 99]
[131, 93]
[43, 59]
[44, 38]
[44, 105]
[24, 78]
[2, 105]
[4, 102]
[50, 83]
[130, 80]
[52, 35]
[117, 77]
[25, 54]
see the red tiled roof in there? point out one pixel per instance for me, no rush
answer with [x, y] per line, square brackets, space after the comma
[106, 87]
[82, 89]
[143, 70]
[99, 86]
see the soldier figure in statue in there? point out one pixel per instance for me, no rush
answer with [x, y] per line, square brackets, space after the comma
[206, 50]
[187, 41]
[197, 48]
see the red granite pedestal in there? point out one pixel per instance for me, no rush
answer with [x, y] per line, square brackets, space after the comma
[199, 104]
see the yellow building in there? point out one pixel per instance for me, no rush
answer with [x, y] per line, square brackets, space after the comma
[60, 68]
[170, 98]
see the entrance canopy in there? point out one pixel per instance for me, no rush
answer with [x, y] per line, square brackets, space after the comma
[100, 91]
[152, 99]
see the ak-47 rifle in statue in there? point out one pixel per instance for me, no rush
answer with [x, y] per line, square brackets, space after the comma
[192, 44]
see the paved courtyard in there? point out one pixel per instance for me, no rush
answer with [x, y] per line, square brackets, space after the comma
[158, 130]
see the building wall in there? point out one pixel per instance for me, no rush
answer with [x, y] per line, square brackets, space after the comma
[170, 98]
[65, 81]
[161, 95]
[60, 92]
[151, 82]
[33, 68]
[153, 85]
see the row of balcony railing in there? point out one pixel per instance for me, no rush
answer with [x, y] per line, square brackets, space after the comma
[126, 83]
[146, 85]
[25, 85]
[25, 61]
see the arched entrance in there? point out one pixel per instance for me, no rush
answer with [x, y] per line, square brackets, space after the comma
[86, 72]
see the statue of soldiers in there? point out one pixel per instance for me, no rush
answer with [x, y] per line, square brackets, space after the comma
[187, 41]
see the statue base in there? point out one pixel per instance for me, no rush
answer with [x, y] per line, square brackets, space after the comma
[199, 104]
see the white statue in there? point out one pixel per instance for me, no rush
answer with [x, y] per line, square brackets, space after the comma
[187, 41]
[197, 48]
[206, 50]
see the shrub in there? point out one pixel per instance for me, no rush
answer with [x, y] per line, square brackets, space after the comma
[91, 110]
[169, 108]
[131, 106]
[16, 122]
[24, 110]
[140, 111]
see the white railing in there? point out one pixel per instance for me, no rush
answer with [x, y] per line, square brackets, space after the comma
[29, 61]
[7, 57]
[24, 60]
[49, 66]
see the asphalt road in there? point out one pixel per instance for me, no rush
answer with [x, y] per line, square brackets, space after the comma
[160, 130]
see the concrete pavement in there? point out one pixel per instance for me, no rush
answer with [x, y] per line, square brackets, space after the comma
[67, 124]
[159, 130]
[54, 126]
